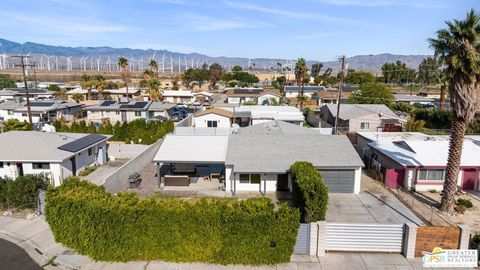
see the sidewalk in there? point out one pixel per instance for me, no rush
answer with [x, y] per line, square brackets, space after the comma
[35, 237]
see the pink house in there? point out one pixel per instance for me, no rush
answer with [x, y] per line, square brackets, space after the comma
[421, 164]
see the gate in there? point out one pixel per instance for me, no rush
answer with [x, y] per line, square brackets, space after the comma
[41, 201]
[364, 237]
[302, 244]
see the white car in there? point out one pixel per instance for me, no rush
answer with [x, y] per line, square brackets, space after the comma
[196, 103]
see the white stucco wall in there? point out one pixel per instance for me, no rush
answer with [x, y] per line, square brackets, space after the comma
[201, 121]
[98, 116]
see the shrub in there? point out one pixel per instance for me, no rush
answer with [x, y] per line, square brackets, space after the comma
[23, 191]
[475, 242]
[465, 202]
[309, 193]
[124, 227]
[87, 170]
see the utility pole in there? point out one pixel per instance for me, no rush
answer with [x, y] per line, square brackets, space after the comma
[340, 85]
[23, 65]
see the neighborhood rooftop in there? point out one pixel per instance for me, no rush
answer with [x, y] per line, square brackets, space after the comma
[276, 153]
[277, 127]
[349, 111]
[41, 146]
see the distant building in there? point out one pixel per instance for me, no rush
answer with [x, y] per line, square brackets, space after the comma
[107, 94]
[185, 96]
[292, 91]
[213, 118]
[362, 117]
[19, 93]
[256, 114]
[257, 96]
[42, 110]
[330, 97]
[128, 110]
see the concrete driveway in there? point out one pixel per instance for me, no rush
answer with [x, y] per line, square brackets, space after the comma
[374, 204]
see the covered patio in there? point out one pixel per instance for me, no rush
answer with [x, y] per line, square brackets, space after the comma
[192, 163]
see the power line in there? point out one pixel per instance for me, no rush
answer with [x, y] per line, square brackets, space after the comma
[340, 86]
[23, 65]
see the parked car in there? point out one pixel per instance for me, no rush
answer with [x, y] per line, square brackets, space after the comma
[177, 116]
[182, 111]
[206, 102]
[196, 103]
[182, 105]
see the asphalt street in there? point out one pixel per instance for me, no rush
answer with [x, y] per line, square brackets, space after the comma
[13, 257]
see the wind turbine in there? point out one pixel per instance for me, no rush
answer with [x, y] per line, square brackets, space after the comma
[163, 63]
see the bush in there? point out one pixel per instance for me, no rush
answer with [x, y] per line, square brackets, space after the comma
[124, 227]
[475, 242]
[21, 192]
[87, 170]
[465, 202]
[309, 193]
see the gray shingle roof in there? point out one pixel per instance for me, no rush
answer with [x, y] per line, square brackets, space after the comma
[352, 111]
[36, 146]
[276, 153]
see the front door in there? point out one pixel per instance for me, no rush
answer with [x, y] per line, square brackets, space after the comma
[74, 166]
[395, 178]
[19, 169]
[282, 182]
[469, 178]
[124, 116]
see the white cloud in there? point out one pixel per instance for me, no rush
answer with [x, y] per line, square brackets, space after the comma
[384, 3]
[203, 23]
[307, 16]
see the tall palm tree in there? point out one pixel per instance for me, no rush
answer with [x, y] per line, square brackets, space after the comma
[86, 83]
[458, 47]
[100, 85]
[301, 74]
[153, 66]
[123, 64]
[153, 90]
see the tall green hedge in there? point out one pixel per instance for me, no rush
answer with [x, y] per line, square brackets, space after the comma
[21, 192]
[124, 227]
[309, 193]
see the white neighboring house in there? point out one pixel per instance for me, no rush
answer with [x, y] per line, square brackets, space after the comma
[16, 93]
[291, 91]
[178, 96]
[58, 155]
[252, 95]
[213, 118]
[261, 114]
[42, 110]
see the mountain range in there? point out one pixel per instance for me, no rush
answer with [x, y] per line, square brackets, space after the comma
[358, 62]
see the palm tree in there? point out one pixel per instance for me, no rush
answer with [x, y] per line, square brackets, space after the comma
[301, 74]
[77, 97]
[86, 83]
[153, 90]
[123, 64]
[153, 66]
[458, 47]
[100, 85]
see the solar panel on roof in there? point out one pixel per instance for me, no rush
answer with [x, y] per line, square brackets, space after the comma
[41, 104]
[82, 143]
[137, 105]
[247, 91]
[107, 103]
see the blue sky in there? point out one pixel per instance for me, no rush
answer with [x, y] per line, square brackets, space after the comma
[314, 29]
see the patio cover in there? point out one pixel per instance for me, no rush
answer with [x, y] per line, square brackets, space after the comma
[198, 149]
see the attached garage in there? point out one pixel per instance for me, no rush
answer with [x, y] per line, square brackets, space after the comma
[339, 181]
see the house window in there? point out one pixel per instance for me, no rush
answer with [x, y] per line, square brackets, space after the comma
[138, 113]
[431, 174]
[250, 178]
[212, 123]
[41, 166]
[1, 164]
[90, 151]
[364, 125]
[10, 112]
[117, 112]
[244, 178]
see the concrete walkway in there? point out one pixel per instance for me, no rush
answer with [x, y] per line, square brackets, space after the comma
[35, 237]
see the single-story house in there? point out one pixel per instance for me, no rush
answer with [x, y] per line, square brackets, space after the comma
[125, 110]
[178, 96]
[107, 94]
[58, 155]
[161, 110]
[276, 127]
[421, 164]
[213, 118]
[19, 93]
[330, 97]
[362, 117]
[260, 114]
[292, 91]
[257, 96]
[250, 162]
[42, 110]
[409, 99]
